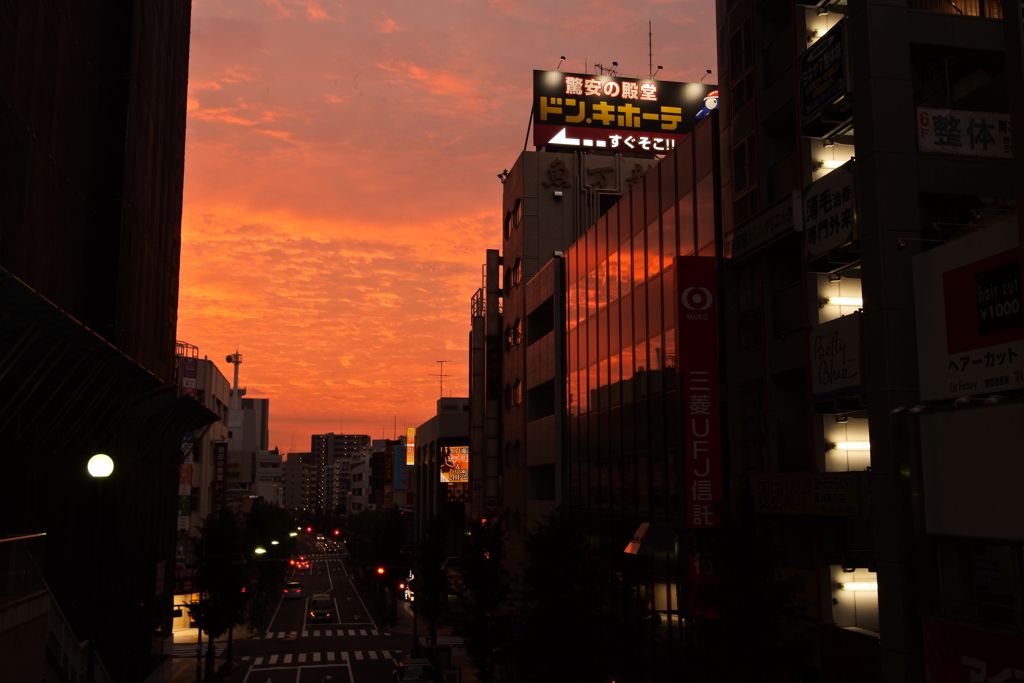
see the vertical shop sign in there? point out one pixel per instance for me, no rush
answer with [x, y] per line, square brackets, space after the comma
[220, 463]
[697, 363]
[410, 446]
[185, 482]
[189, 375]
[823, 77]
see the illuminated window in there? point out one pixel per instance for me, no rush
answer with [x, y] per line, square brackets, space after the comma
[517, 393]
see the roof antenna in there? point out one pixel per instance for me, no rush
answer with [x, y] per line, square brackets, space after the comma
[704, 76]
[560, 60]
[650, 51]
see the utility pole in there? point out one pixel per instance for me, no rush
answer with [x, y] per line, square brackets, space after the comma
[440, 376]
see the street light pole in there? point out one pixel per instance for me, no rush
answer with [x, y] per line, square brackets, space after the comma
[100, 467]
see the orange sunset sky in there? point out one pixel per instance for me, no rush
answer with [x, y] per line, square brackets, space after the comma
[340, 183]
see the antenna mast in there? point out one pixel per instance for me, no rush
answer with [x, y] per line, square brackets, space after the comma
[440, 376]
[650, 51]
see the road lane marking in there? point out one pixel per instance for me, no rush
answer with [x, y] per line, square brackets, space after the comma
[387, 655]
[327, 631]
[257, 661]
[330, 656]
[351, 632]
[305, 634]
[316, 634]
[273, 659]
[344, 656]
[316, 656]
[245, 658]
[374, 632]
[287, 659]
[359, 654]
[362, 631]
[373, 655]
[302, 658]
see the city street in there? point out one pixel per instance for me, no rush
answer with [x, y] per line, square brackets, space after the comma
[350, 647]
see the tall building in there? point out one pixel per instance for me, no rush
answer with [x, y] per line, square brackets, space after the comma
[299, 476]
[793, 338]
[92, 128]
[335, 455]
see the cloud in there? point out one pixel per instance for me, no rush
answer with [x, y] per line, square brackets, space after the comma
[340, 187]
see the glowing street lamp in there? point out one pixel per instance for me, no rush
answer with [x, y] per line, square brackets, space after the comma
[260, 551]
[100, 466]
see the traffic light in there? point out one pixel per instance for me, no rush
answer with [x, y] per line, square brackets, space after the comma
[309, 529]
[380, 571]
[337, 532]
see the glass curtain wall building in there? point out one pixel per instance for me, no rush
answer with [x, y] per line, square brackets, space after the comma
[624, 446]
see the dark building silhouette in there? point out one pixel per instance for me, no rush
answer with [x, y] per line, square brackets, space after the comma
[92, 139]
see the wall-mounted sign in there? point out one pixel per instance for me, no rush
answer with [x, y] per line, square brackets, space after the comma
[189, 375]
[970, 322]
[697, 364]
[835, 355]
[625, 114]
[823, 72]
[828, 210]
[954, 653]
[775, 221]
[410, 446]
[454, 464]
[833, 493]
[220, 462]
[962, 132]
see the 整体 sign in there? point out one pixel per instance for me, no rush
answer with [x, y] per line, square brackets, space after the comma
[626, 114]
[823, 72]
[454, 464]
[970, 318]
[967, 133]
[835, 351]
[697, 363]
[832, 493]
[828, 215]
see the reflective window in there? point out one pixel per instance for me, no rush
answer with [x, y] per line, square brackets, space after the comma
[638, 260]
[640, 313]
[625, 268]
[687, 230]
[653, 248]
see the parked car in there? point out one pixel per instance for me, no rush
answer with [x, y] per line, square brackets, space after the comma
[293, 589]
[414, 670]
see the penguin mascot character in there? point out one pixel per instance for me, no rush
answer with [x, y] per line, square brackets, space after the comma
[710, 102]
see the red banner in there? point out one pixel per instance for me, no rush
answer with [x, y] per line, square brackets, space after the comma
[697, 363]
[954, 654]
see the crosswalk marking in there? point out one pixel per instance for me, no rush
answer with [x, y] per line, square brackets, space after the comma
[330, 656]
[287, 659]
[273, 659]
[316, 634]
[245, 658]
[302, 658]
[305, 634]
[344, 656]
[387, 655]
[359, 654]
[362, 631]
[373, 655]
[374, 633]
[316, 656]
[351, 632]
[257, 661]
[327, 632]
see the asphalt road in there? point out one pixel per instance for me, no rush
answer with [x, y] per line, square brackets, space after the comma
[348, 649]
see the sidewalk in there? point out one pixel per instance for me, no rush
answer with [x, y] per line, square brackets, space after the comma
[183, 669]
[460, 657]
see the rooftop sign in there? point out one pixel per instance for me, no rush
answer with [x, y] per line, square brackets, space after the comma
[621, 114]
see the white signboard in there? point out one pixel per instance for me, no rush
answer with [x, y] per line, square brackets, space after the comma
[963, 132]
[835, 352]
[970, 322]
[828, 211]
